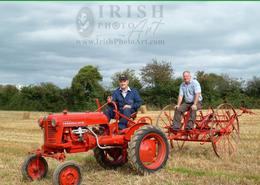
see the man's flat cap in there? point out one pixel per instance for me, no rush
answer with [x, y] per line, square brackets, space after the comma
[123, 77]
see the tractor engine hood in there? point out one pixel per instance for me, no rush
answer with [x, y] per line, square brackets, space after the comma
[66, 119]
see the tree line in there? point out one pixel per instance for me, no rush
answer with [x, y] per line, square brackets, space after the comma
[156, 83]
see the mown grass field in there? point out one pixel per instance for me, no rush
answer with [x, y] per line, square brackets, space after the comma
[195, 164]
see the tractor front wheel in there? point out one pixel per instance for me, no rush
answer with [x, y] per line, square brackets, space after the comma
[34, 167]
[148, 150]
[67, 173]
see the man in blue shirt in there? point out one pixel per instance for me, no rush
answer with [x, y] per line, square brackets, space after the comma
[190, 91]
[128, 101]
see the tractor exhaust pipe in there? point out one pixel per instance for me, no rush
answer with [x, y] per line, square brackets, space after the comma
[101, 147]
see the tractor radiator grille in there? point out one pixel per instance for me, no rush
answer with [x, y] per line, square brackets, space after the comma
[51, 133]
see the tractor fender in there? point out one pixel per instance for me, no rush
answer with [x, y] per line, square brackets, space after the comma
[131, 130]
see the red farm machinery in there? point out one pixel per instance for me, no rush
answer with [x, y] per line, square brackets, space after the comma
[220, 127]
[144, 146]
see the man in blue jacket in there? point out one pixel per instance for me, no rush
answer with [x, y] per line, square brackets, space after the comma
[128, 101]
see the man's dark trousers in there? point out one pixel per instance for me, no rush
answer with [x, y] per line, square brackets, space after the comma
[181, 110]
[122, 122]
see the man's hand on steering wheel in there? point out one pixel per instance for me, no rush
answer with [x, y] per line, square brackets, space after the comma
[127, 107]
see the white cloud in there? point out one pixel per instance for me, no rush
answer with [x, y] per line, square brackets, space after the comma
[50, 34]
[38, 41]
[241, 39]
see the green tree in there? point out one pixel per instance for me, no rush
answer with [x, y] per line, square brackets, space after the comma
[43, 97]
[85, 87]
[253, 87]
[7, 92]
[159, 86]
[156, 73]
[217, 89]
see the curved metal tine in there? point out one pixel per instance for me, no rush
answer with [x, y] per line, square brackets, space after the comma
[223, 112]
[231, 144]
[225, 146]
[235, 137]
[163, 121]
[236, 129]
[221, 147]
[168, 116]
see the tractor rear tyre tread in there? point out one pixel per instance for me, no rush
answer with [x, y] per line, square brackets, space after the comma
[106, 164]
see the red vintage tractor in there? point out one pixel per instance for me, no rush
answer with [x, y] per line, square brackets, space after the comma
[143, 145]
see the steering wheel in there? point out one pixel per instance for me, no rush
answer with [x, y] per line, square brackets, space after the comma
[113, 103]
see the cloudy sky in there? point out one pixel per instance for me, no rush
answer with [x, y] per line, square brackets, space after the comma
[43, 42]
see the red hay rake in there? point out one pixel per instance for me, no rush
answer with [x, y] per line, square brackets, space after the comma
[219, 127]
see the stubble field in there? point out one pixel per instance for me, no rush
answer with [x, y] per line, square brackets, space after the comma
[195, 164]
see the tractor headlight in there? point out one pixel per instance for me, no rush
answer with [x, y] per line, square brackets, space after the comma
[53, 122]
[40, 122]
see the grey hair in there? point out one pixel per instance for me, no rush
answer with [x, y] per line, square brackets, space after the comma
[185, 72]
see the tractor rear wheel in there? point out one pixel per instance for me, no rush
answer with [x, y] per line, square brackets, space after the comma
[148, 150]
[109, 158]
[34, 168]
[67, 173]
